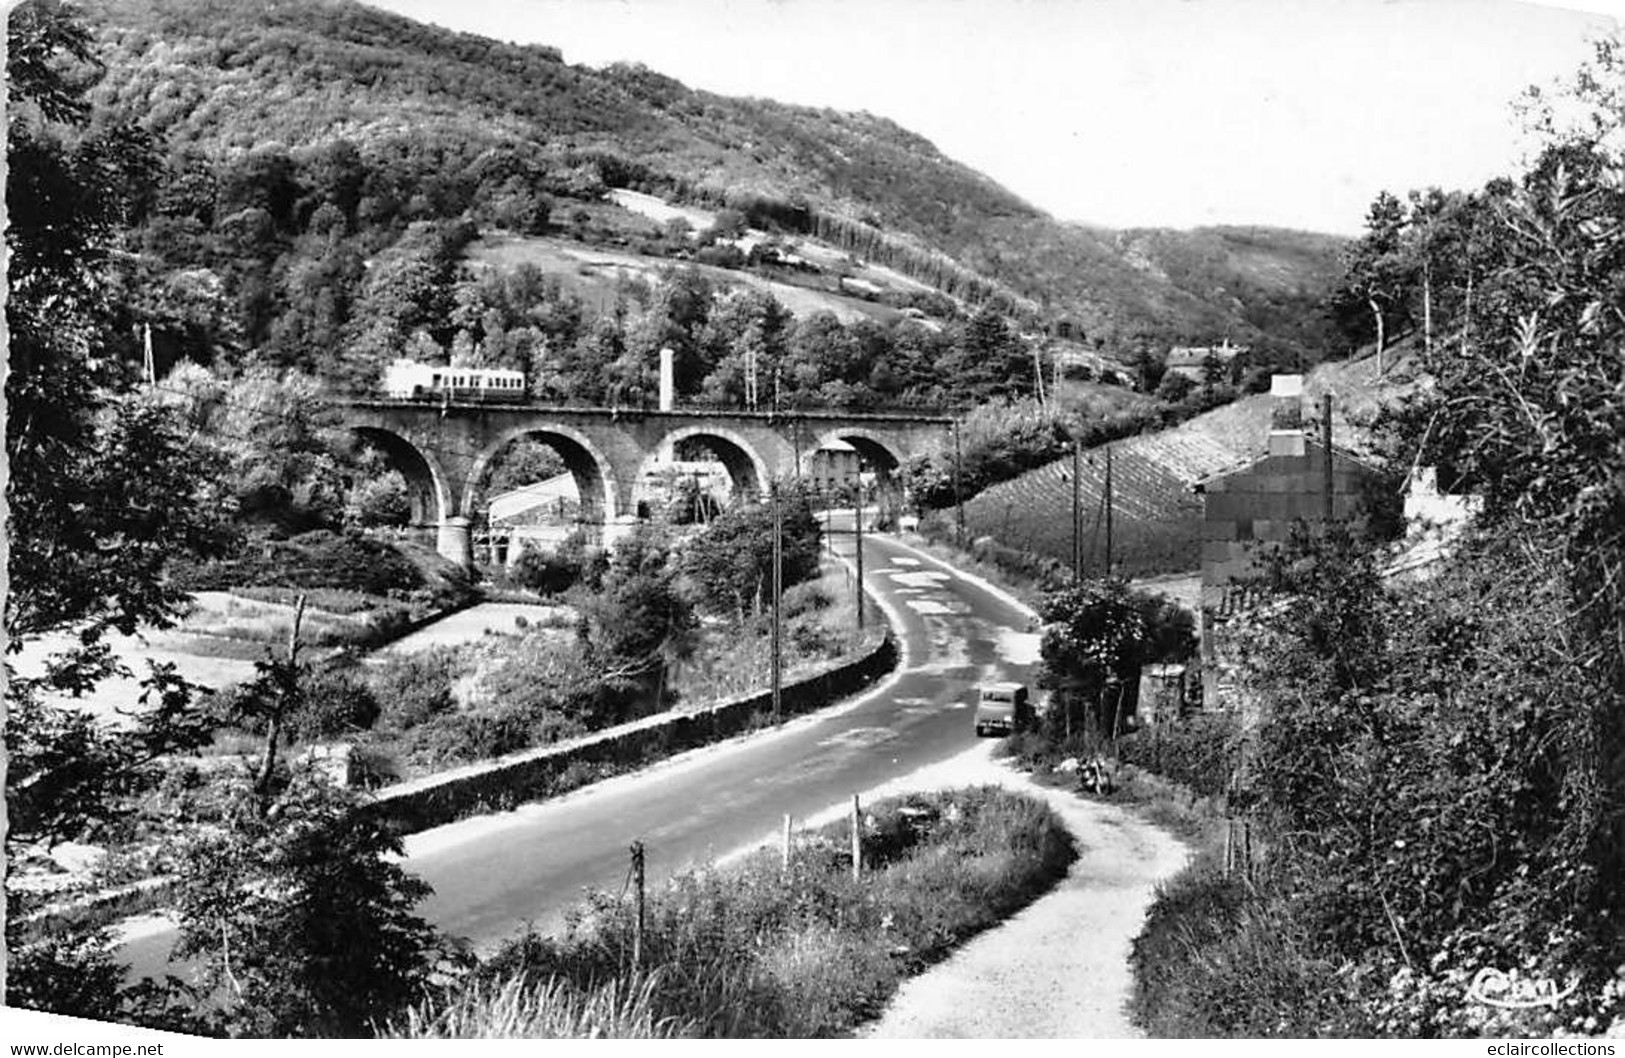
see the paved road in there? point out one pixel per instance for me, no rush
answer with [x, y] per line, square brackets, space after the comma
[494, 874]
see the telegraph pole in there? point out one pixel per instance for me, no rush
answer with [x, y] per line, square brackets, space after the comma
[1077, 518]
[1326, 444]
[959, 496]
[857, 522]
[1108, 510]
[778, 592]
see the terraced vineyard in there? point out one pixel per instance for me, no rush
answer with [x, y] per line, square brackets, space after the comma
[1157, 517]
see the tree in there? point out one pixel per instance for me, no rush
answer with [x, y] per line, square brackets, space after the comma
[636, 622]
[105, 490]
[730, 565]
[1380, 274]
[1097, 634]
[300, 918]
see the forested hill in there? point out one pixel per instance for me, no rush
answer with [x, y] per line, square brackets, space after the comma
[214, 77]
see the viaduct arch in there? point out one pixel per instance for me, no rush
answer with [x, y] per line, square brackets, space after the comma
[446, 451]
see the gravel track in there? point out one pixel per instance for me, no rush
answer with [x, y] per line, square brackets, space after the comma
[1059, 968]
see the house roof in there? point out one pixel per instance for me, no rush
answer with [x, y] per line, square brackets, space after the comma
[1338, 452]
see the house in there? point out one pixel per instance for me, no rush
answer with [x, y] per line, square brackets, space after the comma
[551, 502]
[1249, 508]
[1192, 360]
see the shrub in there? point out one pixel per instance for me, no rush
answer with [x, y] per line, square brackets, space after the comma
[1202, 752]
[1215, 960]
[415, 688]
[545, 573]
[335, 703]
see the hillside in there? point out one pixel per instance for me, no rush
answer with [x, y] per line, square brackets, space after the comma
[1156, 515]
[216, 78]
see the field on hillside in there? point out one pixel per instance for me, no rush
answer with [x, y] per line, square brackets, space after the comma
[1157, 518]
[593, 275]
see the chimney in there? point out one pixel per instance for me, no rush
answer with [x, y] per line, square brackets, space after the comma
[668, 380]
[1286, 416]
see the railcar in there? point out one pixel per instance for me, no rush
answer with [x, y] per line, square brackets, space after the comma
[411, 380]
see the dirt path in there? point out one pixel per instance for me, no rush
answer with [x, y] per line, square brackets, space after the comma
[1058, 969]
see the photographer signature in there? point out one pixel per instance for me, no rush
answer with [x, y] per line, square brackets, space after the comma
[1497, 988]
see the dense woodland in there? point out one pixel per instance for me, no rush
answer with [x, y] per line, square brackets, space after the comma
[303, 179]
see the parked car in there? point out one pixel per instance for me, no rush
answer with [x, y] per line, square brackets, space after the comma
[1002, 708]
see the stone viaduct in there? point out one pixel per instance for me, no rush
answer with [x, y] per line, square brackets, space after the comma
[446, 451]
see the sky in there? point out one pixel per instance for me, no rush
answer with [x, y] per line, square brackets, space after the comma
[1122, 113]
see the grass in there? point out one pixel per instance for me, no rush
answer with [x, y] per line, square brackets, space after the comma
[757, 950]
[518, 1010]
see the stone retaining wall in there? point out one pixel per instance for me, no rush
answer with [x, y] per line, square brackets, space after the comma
[508, 781]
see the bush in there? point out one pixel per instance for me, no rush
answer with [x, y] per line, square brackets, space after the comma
[544, 573]
[1202, 752]
[415, 688]
[335, 703]
[1215, 960]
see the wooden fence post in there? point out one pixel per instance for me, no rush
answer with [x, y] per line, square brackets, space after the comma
[637, 882]
[857, 840]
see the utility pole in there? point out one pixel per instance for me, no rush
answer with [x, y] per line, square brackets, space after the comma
[857, 523]
[1108, 510]
[1326, 444]
[959, 496]
[778, 593]
[1077, 516]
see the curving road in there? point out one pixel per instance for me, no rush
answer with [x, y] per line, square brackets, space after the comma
[494, 874]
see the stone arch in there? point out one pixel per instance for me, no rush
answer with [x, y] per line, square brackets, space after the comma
[745, 465]
[425, 482]
[873, 447]
[594, 476]
[877, 454]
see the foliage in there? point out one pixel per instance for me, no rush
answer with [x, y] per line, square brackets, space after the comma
[268, 248]
[335, 704]
[319, 560]
[381, 501]
[1203, 752]
[544, 572]
[637, 621]
[551, 681]
[730, 564]
[299, 921]
[1097, 634]
[550, 1010]
[415, 687]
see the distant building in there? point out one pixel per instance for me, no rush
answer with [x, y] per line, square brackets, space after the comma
[833, 469]
[1250, 507]
[1192, 360]
[551, 502]
[538, 515]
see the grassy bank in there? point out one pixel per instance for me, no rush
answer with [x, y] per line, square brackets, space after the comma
[757, 950]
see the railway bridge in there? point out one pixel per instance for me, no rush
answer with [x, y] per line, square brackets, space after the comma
[446, 451]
